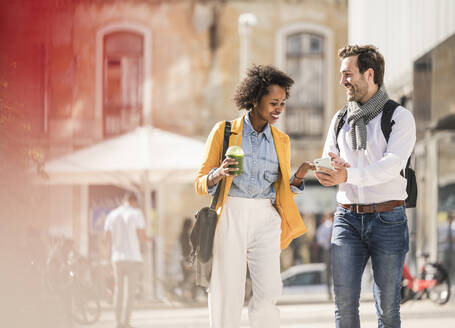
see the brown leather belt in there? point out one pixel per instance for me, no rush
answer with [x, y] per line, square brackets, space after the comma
[372, 208]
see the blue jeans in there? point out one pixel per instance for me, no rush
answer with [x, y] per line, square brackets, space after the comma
[355, 238]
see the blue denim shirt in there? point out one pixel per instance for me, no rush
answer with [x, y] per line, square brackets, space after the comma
[260, 166]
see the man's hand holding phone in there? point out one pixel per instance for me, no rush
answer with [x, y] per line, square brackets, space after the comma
[331, 171]
[324, 162]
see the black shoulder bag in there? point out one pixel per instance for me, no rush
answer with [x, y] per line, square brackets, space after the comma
[203, 232]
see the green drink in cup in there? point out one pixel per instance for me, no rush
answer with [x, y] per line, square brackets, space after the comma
[236, 153]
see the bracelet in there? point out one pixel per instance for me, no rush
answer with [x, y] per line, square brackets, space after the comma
[295, 176]
[210, 177]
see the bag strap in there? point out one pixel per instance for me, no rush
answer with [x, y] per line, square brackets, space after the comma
[339, 123]
[227, 134]
[386, 119]
[386, 126]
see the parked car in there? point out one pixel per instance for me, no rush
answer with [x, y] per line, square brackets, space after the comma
[307, 282]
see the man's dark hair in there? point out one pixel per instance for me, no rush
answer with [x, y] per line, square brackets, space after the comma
[368, 57]
[130, 197]
[254, 86]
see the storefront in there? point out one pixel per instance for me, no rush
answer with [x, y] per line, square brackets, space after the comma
[434, 109]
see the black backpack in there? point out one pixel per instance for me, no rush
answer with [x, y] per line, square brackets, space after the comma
[386, 127]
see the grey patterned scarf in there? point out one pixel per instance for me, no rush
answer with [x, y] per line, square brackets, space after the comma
[359, 116]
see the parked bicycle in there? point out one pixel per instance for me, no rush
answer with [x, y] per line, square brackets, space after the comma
[433, 283]
[68, 274]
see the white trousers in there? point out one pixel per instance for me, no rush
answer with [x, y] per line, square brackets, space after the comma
[248, 233]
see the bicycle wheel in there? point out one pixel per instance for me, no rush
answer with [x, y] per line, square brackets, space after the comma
[440, 293]
[85, 307]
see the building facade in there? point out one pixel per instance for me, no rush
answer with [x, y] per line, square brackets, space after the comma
[95, 70]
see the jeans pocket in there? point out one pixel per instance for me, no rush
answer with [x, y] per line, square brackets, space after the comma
[340, 212]
[397, 216]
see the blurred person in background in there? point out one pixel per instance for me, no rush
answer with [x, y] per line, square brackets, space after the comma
[296, 246]
[323, 236]
[370, 220]
[258, 214]
[125, 229]
[188, 283]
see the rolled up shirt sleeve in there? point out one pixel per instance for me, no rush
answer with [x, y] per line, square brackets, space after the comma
[294, 189]
[212, 189]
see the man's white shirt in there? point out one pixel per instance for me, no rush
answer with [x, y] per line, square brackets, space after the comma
[374, 175]
[123, 223]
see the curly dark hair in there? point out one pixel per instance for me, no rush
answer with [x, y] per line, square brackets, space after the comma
[254, 86]
[368, 57]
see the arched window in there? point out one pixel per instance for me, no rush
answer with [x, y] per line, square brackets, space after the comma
[304, 61]
[123, 80]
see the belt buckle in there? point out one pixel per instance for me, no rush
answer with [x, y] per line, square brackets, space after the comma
[359, 209]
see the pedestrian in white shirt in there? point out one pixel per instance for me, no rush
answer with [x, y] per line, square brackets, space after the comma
[323, 236]
[370, 220]
[124, 229]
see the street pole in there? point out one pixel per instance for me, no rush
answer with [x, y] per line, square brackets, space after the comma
[160, 239]
[149, 267]
[433, 182]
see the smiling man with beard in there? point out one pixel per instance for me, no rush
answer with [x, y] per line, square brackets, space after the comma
[370, 220]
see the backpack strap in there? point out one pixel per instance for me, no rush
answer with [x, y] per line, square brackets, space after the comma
[387, 123]
[386, 119]
[339, 123]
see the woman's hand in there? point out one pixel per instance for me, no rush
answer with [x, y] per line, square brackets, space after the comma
[301, 172]
[223, 171]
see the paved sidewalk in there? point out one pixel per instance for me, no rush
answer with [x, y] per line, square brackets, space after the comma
[417, 314]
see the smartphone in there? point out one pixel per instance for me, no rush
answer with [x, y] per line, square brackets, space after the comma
[325, 162]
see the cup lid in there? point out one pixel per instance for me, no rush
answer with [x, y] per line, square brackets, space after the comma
[235, 151]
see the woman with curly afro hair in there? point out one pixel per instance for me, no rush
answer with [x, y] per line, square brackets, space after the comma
[257, 214]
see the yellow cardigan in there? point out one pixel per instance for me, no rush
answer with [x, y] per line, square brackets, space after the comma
[292, 224]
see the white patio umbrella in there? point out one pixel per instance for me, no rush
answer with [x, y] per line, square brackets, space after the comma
[145, 153]
[141, 160]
